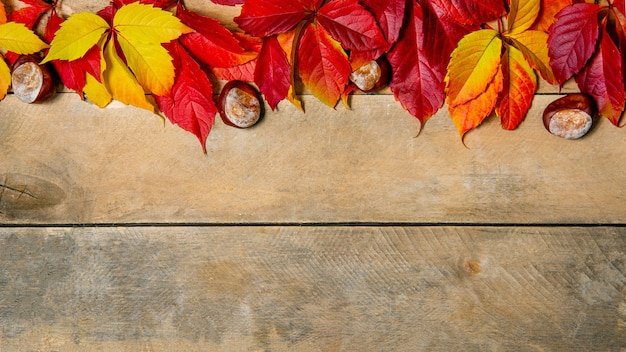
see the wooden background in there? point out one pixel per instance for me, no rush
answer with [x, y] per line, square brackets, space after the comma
[324, 231]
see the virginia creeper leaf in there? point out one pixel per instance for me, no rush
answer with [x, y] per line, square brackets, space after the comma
[470, 114]
[390, 16]
[190, 104]
[416, 83]
[263, 18]
[534, 45]
[472, 66]
[79, 33]
[212, 43]
[243, 72]
[572, 39]
[30, 14]
[603, 80]
[547, 13]
[273, 72]
[16, 37]
[519, 85]
[522, 15]
[3, 15]
[147, 24]
[96, 91]
[5, 78]
[323, 65]
[468, 12]
[352, 25]
[120, 81]
[151, 64]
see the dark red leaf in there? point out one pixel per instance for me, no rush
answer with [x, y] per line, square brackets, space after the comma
[390, 16]
[603, 79]
[468, 12]
[263, 18]
[352, 25]
[572, 39]
[416, 83]
[273, 72]
[190, 104]
[212, 43]
[30, 14]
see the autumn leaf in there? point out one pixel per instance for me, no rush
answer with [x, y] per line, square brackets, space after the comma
[547, 13]
[190, 104]
[5, 78]
[519, 85]
[96, 91]
[31, 13]
[274, 72]
[417, 83]
[522, 15]
[16, 37]
[77, 35]
[534, 46]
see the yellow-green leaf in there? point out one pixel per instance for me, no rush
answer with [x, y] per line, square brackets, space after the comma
[121, 83]
[151, 64]
[16, 37]
[523, 14]
[5, 78]
[146, 24]
[96, 92]
[79, 33]
[473, 64]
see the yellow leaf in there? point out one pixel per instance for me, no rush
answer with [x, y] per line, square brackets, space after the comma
[523, 14]
[16, 37]
[534, 45]
[151, 64]
[473, 64]
[77, 35]
[5, 78]
[96, 92]
[140, 23]
[121, 83]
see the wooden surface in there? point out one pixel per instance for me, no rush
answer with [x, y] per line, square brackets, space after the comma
[333, 230]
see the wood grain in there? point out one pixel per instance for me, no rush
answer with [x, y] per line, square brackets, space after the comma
[124, 165]
[313, 289]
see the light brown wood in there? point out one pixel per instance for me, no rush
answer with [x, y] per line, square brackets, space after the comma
[125, 165]
[313, 289]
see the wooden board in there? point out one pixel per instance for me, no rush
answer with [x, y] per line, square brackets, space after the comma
[313, 289]
[78, 164]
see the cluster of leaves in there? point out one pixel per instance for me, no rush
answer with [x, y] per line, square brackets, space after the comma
[476, 56]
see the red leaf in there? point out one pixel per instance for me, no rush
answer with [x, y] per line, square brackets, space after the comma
[212, 43]
[190, 104]
[572, 39]
[468, 12]
[323, 65]
[416, 83]
[390, 16]
[164, 4]
[352, 25]
[603, 80]
[30, 14]
[273, 72]
[243, 72]
[263, 18]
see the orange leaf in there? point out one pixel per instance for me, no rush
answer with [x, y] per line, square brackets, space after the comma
[3, 14]
[534, 45]
[547, 14]
[523, 14]
[469, 115]
[520, 83]
[473, 65]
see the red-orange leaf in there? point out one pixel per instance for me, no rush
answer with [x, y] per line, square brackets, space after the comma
[416, 82]
[30, 14]
[573, 39]
[263, 18]
[519, 85]
[212, 43]
[273, 72]
[190, 103]
[469, 115]
[547, 13]
[603, 80]
[323, 65]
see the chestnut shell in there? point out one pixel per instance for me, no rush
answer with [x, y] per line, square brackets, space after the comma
[571, 116]
[28, 74]
[240, 105]
[361, 75]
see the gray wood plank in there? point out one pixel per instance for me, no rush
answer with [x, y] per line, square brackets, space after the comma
[313, 289]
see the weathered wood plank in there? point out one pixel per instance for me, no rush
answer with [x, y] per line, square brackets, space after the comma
[122, 165]
[313, 289]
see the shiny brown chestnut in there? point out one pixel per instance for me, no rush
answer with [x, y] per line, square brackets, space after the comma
[571, 116]
[32, 82]
[372, 76]
[240, 104]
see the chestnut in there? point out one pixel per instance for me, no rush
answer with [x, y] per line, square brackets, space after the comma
[571, 116]
[240, 104]
[372, 76]
[31, 81]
